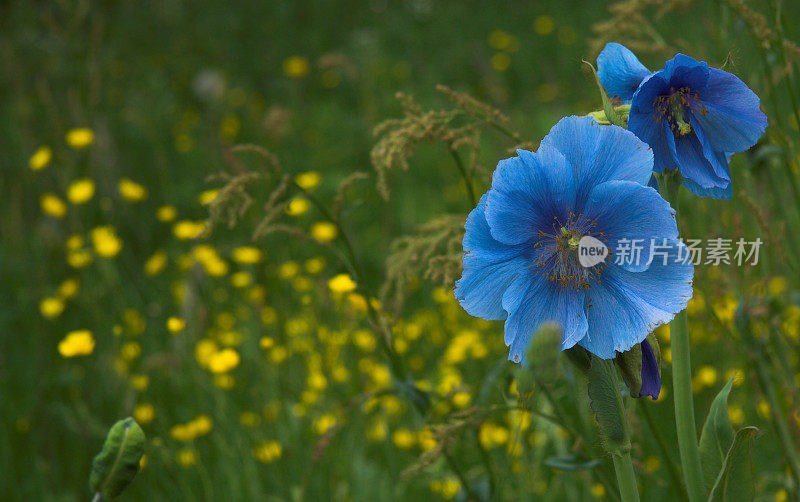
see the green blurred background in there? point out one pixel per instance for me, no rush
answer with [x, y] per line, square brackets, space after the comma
[166, 87]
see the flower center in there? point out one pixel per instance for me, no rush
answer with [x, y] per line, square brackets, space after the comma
[556, 252]
[676, 108]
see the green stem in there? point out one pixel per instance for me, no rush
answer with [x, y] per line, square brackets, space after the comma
[684, 408]
[682, 377]
[464, 174]
[626, 477]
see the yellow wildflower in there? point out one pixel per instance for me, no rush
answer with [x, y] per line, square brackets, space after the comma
[297, 206]
[80, 191]
[403, 438]
[80, 137]
[144, 413]
[165, 214]
[131, 191]
[207, 196]
[175, 325]
[544, 25]
[187, 457]
[156, 263]
[187, 230]
[51, 307]
[69, 288]
[308, 180]
[324, 231]
[76, 343]
[105, 241]
[223, 361]
[268, 451]
[246, 255]
[40, 158]
[295, 66]
[52, 205]
[341, 284]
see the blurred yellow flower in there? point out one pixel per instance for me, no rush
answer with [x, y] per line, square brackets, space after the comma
[69, 288]
[140, 382]
[323, 231]
[295, 66]
[52, 205]
[51, 307]
[461, 399]
[175, 325]
[40, 158]
[187, 457]
[187, 229]
[544, 25]
[241, 279]
[80, 191]
[76, 343]
[79, 258]
[377, 431]
[130, 351]
[268, 451]
[74, 242]
[144, 413]
[499, 40]
[308, 180]
[246, 255]
[448, 488]
[403, 438]
[229, 127]
[297, 206]
[598, 490]
[223, 361]
[501, 61]
[105, 241]
[165, 214]
[288, 269]
[131, 191]
[80, 137]
[323, 423]
[207, 196]
[777, 286]
[341, 284]
[315, 265]
[156, 263]
[492, 435]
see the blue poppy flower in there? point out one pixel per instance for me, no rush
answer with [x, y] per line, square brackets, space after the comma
[693, 116]
[521, 244]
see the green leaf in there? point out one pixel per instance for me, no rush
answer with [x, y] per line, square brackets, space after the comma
[571, 463]
[606, 403]
[735, 481]
[118, 462]
[717, 436]
[610, 113]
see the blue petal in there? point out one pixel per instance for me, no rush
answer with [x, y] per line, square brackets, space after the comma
[626, 306]
[724, 193]
[734, 121]
[532, 300]
[704, 168]
[642, 123]
[620, 71]
[489, 268]
[637, 214]
[599, 153]
[527, 192]
[651, 377]
[685, 71]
